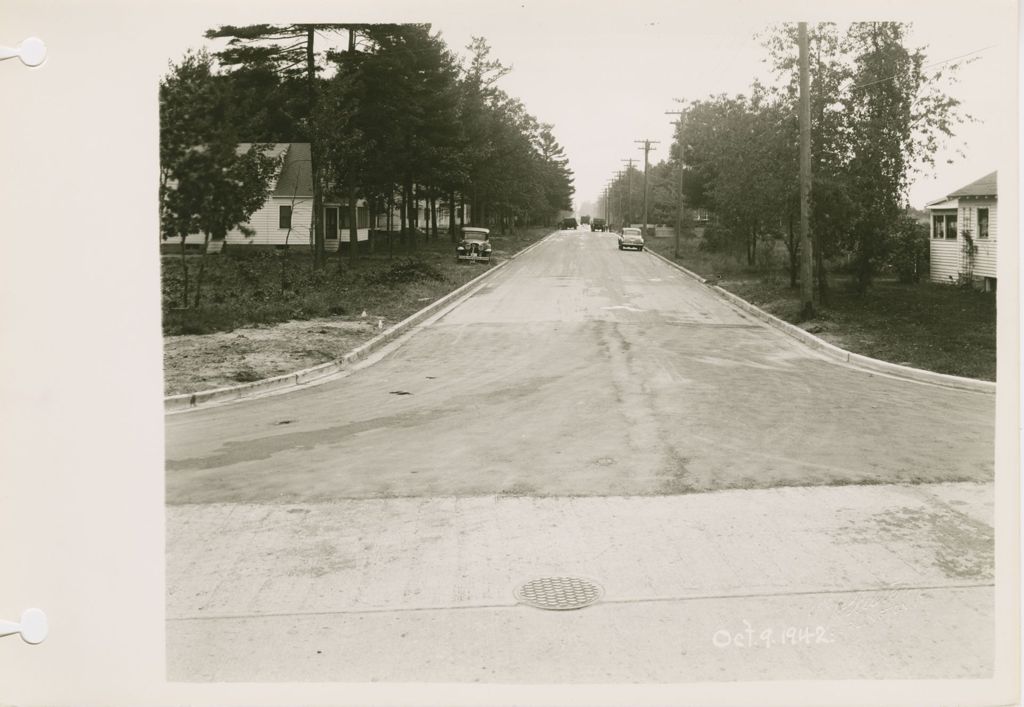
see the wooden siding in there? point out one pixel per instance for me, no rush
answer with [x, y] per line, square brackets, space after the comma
[945, 260]
[266, 223]
[947, 257]
[985, 258]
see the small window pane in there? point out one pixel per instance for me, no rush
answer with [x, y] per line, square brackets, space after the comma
[284, 217]
[951, 226]
[937, 227]
[982, 223]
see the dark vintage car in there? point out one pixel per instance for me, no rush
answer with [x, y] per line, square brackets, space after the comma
[475, 245]
[569, 224]
[631, 238]
[598, 224]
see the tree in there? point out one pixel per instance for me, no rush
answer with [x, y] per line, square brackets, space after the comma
[878, 116]
[207, 185]
[740, 154]
[289, 52]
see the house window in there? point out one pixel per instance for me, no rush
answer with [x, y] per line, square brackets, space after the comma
[951, 226]
[982, 223]
[284, 217]
[363, 217]
[937, 226]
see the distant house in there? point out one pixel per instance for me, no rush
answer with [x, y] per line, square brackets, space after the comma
[286, 216]
[964, 228]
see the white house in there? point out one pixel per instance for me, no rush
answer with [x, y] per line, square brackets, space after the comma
[965, 234]
[286, 216]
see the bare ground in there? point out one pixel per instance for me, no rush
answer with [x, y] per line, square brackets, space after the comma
[206, 361]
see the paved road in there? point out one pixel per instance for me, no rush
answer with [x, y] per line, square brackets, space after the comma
[561, 421]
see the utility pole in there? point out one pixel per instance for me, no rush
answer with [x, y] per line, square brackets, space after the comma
[629, 192]
[680, 123]
[647, 149]
[617, 187]
[806, 256]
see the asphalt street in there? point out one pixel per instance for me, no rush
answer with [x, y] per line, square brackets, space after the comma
[594, 413]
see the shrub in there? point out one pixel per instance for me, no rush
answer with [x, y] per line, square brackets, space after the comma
[716, 239]
[908, 253]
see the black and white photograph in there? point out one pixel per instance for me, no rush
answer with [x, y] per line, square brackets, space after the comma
[552, 352]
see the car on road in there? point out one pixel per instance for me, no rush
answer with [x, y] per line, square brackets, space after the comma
[598, 224]
[631, 238]
[569, 224]
[475, 245]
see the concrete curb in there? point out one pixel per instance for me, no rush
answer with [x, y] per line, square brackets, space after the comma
[834, 352]
[191, 401]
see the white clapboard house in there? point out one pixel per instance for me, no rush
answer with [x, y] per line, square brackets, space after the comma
[286, 216]
[965, 234]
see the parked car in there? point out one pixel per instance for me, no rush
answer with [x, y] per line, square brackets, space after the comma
[598, 224]
[569, 224]
[631, 238]
[475, 245]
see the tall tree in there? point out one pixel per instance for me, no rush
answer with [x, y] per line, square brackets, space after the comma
[290, 52]
[878, 115]
[207, 184]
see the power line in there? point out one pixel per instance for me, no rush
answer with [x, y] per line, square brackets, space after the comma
[926, 66]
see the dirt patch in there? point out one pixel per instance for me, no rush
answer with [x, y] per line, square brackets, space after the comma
[205, 361]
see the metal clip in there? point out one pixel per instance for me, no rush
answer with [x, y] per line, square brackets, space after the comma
[32, 52]
[33, 626]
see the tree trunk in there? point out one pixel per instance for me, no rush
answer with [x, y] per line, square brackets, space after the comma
[202, 269]
[403, 214]
[433, 215]
[414, 214]
[317, 224]
[462, 211]
[451, 215]
[184, 275]
[372, 215]
[353, 223]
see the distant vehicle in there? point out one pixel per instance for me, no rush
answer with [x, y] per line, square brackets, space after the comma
[569, 224]
[584, 220]
[598, 224]
[631, 238]
[475, 245]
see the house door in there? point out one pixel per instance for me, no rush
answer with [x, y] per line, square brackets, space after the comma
[331, 222]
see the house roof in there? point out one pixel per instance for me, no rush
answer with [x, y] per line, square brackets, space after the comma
[296, 173]
[295, 179]
[986, 186]
[942, 203]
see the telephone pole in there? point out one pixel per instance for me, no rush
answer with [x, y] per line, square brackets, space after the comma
[629, 192]
[679, 123]
[618, 183]
[647, 149]
[806, 274]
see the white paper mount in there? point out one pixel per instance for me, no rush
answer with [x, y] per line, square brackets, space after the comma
[32, 52]
[33, 627]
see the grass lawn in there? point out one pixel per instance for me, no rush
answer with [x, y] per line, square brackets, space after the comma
[267, 313]
[939, 328]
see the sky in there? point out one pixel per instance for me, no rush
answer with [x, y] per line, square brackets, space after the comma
[605, 73]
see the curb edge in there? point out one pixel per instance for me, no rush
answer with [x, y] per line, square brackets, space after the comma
[192, 401]
[849, 358]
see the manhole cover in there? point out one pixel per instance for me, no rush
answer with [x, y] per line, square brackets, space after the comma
[559, 593]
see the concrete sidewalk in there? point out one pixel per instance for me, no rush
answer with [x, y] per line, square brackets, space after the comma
[887, 581]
